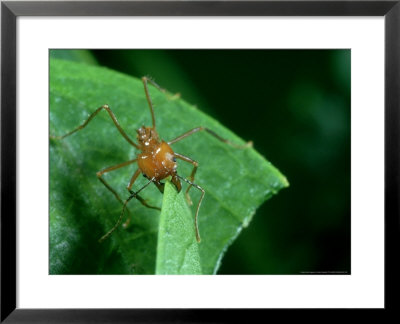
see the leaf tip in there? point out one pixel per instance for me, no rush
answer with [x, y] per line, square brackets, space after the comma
[285, 182]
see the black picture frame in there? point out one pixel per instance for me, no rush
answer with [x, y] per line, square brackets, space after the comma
[10, 10]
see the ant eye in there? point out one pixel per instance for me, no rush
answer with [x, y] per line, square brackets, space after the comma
[174, 159]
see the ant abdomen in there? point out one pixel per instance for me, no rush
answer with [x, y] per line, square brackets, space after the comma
[157, 162]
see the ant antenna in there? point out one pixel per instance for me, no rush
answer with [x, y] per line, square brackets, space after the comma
[198, 205]
[133, 195]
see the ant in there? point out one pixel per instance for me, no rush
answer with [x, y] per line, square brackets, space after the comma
[156, 161]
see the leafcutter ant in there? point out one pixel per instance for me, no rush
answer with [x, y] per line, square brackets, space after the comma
[156, 160]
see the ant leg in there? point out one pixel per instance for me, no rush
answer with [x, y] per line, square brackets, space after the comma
[146, 80]
[112, 168]
[133, 179]
[129, 188]
[146, 91]
[133, 195]
[191, 177]
[142, 201]
[114, 119]
[199, 129]
[198, 205]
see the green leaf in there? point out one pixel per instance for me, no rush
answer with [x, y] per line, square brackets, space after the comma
[82, 209]
[76, 55]
[177, 249]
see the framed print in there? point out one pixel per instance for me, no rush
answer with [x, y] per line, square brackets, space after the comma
[192, 155]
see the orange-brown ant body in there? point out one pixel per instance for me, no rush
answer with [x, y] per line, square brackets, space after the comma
[156, 161]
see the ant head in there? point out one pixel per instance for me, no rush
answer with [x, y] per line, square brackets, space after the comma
[147, 136]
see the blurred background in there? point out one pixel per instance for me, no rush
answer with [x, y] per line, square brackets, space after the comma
[295, 106]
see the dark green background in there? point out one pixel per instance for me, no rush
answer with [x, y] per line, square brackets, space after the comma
[295, 106]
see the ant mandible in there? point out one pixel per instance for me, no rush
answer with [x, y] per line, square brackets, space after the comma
[156, 161]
